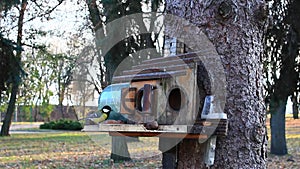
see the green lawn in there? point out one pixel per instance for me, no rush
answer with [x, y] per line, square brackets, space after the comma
[71, 150]
[92, 150]
[22, 123]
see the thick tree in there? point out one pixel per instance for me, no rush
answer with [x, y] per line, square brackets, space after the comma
[24, 15]
[281, 68]
[236, 28]
[104, 12]
[111, 10]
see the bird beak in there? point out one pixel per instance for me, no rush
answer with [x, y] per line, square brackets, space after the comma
[102, 118]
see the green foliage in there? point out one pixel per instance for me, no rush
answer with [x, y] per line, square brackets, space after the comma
[62, 124]
[5, 5]
[46, 109]
[6, 55]
[45, 69]
[281, 60]
[3, 107]
[27, 112]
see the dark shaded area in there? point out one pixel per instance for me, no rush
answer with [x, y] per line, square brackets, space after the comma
[281, 67]
[6, 56]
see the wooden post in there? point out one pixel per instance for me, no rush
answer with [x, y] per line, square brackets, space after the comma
[119, 149]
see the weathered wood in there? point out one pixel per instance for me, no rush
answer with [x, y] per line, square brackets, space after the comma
[140, 130]
[148, 76]
[193, 55]
[128, 100]
[165, 68]
[165, 135]
[177, 61]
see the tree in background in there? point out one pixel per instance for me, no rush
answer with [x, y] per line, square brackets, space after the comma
[6, 48]
[101, 13]
[85, 81]
[281, 68]
[15, 75]
[11, 23]
[6, 54]
[35, 89]
[104, 12]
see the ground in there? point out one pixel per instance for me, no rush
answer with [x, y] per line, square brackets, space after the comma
[292, 160]
[35, 149]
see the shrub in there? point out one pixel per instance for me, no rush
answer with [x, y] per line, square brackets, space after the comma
[62, 124]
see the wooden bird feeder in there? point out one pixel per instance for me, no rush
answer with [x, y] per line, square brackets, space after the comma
[175, 92]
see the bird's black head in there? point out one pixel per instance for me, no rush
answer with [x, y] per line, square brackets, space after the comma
[106, 109]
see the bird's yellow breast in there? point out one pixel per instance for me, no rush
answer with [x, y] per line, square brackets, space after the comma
[102, 118]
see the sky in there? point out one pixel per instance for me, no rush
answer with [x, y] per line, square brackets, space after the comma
[66, 20]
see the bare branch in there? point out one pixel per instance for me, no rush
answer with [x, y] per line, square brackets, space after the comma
[42, 14]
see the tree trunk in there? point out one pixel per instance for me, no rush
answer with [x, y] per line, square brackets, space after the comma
[295, 111]
[119, 147]
[295, 107]
[278, 141]
[61, 91]
[10, 110]
[284, 87]
[15, 64]
[236, 29]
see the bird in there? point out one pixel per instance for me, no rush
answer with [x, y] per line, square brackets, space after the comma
[108, 114]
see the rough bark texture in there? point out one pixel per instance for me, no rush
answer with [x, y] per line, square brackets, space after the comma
[236, 29]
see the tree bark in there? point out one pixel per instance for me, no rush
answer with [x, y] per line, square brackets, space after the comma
[236, 28]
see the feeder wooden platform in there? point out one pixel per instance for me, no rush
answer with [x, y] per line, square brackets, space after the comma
[203, 130]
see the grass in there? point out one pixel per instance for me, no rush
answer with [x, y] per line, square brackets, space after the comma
[22, 123]
[292, 159]
[66, 150]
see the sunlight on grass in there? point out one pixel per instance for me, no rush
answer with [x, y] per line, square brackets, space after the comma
[145, 147]
[92, 150]
[65, 150]
[288, 136]
[19, 123]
